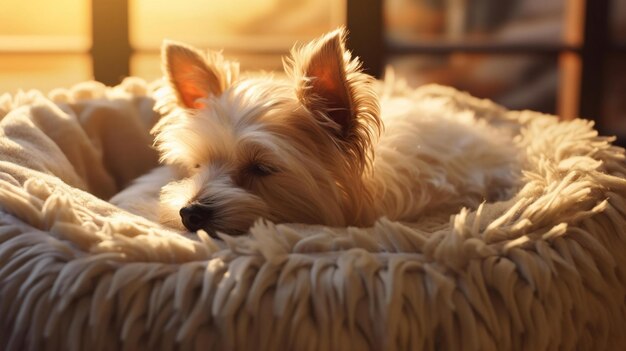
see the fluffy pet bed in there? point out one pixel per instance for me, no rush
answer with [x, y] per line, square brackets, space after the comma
[543, 270]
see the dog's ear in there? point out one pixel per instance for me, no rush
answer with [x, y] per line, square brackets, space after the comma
[194, 75]
[330, 82]
[323, 86]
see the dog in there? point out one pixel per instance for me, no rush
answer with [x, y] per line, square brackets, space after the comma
[317, 147]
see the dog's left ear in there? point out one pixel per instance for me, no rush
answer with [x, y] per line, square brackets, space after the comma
[330, 82]
[194, 75]
[323, 85]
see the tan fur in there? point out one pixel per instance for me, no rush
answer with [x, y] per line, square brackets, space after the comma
[311, 148]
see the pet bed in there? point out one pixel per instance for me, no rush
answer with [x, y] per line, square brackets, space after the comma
[545, 269]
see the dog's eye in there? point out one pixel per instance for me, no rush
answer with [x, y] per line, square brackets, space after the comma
[261, 170]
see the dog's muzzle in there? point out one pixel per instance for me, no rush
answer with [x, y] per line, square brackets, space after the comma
[196, 216]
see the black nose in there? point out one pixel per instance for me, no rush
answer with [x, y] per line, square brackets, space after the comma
[196, 216]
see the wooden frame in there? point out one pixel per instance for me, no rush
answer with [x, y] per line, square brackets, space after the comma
[111, 48]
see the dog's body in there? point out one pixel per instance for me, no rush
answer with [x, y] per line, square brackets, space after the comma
[308, 149]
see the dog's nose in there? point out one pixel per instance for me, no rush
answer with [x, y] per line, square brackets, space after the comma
[196, 216]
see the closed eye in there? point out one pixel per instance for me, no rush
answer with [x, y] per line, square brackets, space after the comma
[260, 169]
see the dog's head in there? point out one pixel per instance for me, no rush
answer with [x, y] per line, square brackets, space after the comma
[289, 150]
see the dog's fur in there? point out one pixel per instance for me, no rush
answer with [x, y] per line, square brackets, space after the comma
[310, 148]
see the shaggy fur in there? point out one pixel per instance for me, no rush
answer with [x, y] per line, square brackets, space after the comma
[544, 270]
[306, 149]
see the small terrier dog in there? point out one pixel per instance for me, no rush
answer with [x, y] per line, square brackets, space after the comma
[310, 148]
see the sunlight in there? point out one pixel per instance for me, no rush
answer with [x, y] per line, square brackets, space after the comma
[59, 18]
[44, 44]
[247, 24]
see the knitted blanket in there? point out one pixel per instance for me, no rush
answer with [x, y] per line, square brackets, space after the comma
[545, 269]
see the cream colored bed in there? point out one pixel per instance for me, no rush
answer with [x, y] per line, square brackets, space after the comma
[545, 270]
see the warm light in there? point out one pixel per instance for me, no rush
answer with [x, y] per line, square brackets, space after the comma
[44, 44]
[28, 25]
[255, 33]
[269, 25]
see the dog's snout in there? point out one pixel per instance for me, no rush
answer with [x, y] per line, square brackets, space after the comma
[196, 216]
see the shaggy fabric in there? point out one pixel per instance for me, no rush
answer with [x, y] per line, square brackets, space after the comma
[543, 270]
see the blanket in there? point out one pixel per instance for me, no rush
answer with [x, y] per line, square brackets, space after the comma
[545, 269]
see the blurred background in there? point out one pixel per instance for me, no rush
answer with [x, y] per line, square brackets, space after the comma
[566, 57]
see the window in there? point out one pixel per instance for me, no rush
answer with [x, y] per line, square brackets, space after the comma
[68, 41]
[51, 51]
[257, 33]
[557, 56]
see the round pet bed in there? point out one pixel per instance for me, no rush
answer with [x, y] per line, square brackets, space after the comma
[543, 270]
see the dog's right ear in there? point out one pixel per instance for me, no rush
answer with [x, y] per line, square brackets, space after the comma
[194, 75]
